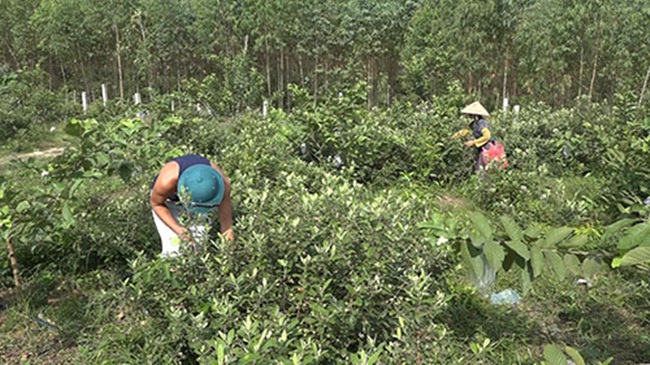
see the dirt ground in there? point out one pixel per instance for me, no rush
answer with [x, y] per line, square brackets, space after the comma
[50, 152]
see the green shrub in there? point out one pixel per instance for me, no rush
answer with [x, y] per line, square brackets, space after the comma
[23, 105]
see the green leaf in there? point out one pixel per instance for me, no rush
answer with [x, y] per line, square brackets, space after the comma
[617, 226]
[125, 170]
[521, 262]
[512, 228]
[22, 206]
[526, 279]
[607, 362]
[575, 355]
[556, 263]
[519, 248]
[554, 356]
[573, 264]
[556, 236]
[495, 254]
[639, 255]
[477, 239]
[590, 267]
[74, 128]
[638, 235]
[482, 225]
[533, 231]
[576, 241]
[471, 258]
[509, 260]
[102, 158]
[221, 352]
[536, 260]
[374, 357]
[248, 358]
[74, 187]
[67, 214]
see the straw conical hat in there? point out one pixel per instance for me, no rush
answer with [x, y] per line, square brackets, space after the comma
[475, 108]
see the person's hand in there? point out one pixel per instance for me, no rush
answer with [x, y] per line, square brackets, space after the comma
[229, 234]
[469, 143]
[186, 237]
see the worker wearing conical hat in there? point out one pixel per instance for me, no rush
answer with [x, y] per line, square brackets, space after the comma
[479, 128]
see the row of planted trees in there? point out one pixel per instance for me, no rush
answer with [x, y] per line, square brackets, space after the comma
[553, 50]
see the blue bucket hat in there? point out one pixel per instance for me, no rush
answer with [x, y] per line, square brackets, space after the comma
[205, 187]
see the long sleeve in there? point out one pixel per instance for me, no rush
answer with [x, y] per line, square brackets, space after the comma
[461, 133]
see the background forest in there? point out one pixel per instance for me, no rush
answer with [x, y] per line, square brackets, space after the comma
[233, 53]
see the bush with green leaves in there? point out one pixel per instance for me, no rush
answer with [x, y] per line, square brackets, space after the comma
[332, 264]
[25, 105]
[588, 139]
[236, 88]
[73, 208]
[316, 276]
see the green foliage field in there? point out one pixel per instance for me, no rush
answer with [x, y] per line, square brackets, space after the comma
[366, 262]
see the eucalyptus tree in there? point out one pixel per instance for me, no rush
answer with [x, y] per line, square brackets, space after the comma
[218, 32]
[18, 37]
[376, 30]
[449, 40]
[163, 44]
[112, 18]
[7, 47]
[626, 48]
[66, 38]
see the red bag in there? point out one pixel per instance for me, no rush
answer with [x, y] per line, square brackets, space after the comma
[494, 154]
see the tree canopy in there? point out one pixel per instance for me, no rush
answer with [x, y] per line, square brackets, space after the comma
[550, 50]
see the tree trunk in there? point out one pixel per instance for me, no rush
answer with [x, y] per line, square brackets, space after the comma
[50, 72]
[645, 84]
[281, 79]
[593, 74]
[315, 80]
[582, 65]
[469, 74]
[386, 65]
[65, 79]
[393, 72]
[369, 88]
[505, 74]
[178, 79]
[289, 79]
[12, 54]
[83, 71]
[14, 263]
[268, 68]
[325, 75]
[143, 34]
[118, 51]
[301, 70]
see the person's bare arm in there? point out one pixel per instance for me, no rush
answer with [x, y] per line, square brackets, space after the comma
[164, 187]
[225, 208]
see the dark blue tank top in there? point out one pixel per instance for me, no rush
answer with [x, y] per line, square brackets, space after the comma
[184, 163]
[477, 129]
[478, 126]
